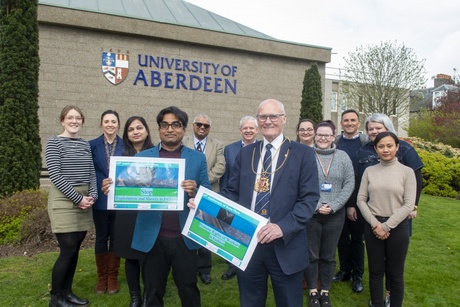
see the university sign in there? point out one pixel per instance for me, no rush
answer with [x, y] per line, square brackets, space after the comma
[172, 73]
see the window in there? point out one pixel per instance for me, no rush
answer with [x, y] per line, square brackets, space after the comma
[334, 101]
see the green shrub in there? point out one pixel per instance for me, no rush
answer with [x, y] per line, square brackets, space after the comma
[441, 175]
[23, 217]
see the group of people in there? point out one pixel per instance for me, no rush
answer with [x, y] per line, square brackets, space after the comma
[374, 202]
[313, 197]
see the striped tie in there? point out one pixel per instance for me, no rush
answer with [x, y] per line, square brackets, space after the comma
[263, 198]
[198, 147]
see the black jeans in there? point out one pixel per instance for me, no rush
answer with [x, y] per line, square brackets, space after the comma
[170, 253]
[387, 257]
[104, 223]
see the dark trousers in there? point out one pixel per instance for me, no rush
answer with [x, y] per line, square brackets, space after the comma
[133, 274]
[104, 224]
[351, 246]
[66, 263]
[170, 253]
[204, 262]
[387, 257]
[323, 233]
[252, 282]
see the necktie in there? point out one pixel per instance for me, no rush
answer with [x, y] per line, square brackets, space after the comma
[263, 198]
[198, 147]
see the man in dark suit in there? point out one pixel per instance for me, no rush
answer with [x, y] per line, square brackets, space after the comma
[248, 131]
[158, 233]
[286, 191]
[214, 152]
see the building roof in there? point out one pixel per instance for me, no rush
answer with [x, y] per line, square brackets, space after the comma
[175, 12]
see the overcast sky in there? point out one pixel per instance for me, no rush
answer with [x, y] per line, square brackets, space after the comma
[430, 28]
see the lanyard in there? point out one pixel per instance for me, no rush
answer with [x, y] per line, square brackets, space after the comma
[325, 171]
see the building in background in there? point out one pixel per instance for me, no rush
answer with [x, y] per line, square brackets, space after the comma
[140, 58]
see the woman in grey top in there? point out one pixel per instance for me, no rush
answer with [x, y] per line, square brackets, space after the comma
[72, 194]
[337, 181]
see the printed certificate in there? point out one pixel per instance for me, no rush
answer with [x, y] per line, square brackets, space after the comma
[224, 227]
[146, 184]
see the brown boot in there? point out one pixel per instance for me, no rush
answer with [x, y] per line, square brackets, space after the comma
[102, 266]
[112, 270]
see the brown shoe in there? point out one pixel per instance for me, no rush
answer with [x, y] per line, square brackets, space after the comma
[101, 265]
[112, 273]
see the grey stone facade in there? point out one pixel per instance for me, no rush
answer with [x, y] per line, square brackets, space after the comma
[71, 47]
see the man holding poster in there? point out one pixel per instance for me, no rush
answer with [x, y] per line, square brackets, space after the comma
[158, 233]
[283, 187]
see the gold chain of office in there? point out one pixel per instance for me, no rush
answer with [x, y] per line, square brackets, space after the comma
[263, 183]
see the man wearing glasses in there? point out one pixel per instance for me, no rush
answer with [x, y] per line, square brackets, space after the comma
[215, 159]
[278, 179]
[158, 233]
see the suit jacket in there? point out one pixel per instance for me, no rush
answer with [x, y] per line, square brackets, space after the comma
[100, 166]
[215, 159]
[293, 199]
[148, 223]
[230, 153]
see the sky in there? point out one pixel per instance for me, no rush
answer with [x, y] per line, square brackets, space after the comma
[430, 28]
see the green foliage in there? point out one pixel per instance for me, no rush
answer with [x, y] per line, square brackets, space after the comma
[310, 106]
[446, 150]
[441, 175]
[23, 217]
[20, 146]
[441, 124]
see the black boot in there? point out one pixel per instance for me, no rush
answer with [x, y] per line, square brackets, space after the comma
[58, 301]
[73, 299]
[136, 300]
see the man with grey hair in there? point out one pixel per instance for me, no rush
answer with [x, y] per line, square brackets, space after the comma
[214, 152]
[248, 131]
[278, 179]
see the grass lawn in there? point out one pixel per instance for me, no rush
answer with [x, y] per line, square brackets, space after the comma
[431, 275]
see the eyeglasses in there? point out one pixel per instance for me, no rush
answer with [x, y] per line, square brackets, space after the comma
[273, 117]
[174, 125]
[77, 118]
[199, 125]
[306, 130]
[326, 136]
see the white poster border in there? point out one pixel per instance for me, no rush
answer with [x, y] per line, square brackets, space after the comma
[145, 200]
[221, 237]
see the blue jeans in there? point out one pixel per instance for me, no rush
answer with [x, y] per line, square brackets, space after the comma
[323, 233]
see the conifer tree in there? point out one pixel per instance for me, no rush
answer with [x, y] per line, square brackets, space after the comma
[310, 106]
[20, 147]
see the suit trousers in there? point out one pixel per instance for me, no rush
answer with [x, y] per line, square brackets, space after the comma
[252, 282]
[170, 253]
[351, 246]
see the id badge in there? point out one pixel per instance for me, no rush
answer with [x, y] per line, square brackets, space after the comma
[326, 187]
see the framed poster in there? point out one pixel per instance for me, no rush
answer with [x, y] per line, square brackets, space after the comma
[146, 183]
[224, 227]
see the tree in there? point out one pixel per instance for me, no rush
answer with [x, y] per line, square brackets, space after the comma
[20, 146]
[442, 124]
[312, 95]
[381, 77]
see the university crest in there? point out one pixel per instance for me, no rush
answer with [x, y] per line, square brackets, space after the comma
[115, 66]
